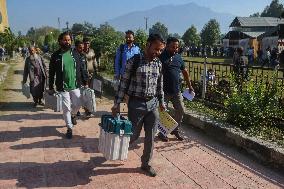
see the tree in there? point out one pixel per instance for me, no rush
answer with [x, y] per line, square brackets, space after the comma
[275, 9]
[210, 34]
[85, 28]
[159, 28]
[141, 38]
[176, 35]
[38, 35]
[191, 36]
[107, 39]
[255, 15]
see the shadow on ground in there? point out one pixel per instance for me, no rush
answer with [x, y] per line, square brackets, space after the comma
[59, 174]
[25, 117]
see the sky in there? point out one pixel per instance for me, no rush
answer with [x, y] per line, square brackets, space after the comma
[24, 14]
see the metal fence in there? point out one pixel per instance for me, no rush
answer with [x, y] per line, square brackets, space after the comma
[223, 73]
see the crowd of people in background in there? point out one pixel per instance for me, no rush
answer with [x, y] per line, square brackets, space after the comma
[269, 57]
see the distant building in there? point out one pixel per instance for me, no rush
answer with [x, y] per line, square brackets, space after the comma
[3, 16]
[273, 38]
[245, 31]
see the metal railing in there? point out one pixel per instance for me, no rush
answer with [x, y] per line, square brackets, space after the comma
[223, 73]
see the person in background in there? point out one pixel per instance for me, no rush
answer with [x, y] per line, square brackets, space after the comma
[90, 55]
[36, 70]
[79, 46]
[124, 53]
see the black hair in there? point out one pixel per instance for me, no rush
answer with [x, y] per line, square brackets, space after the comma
[78, 42]
[155, 37]
[240, 50]
[172, 39]
[129, 32]
[60, 37]
[86, 39]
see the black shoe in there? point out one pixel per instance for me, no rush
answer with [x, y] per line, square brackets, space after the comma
[41, 103]
[88, 114]
[69, 133]
[74, 120]
[163, 138]
[35, 104]
[179, 137]
[149, 170]
[78, 114]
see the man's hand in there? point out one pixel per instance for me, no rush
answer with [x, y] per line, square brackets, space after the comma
[116, 77]
[115, 110]
[190, 88]
[163, 107]
[51, 92]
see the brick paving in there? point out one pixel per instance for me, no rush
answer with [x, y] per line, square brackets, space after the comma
[35, 154]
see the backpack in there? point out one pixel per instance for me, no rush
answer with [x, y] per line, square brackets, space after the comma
[121, 50]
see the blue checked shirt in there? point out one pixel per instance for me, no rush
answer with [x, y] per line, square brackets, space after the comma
[146, 82]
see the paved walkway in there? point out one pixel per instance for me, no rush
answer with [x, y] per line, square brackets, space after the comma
[35, 154]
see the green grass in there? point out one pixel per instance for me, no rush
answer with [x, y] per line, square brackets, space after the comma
[1, 67]
[209, 60]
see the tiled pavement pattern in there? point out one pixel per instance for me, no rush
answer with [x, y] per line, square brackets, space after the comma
[35, 154]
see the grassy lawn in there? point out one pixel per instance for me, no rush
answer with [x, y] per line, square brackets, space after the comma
[209, 60]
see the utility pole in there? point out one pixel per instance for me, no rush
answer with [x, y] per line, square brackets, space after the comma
[146, 23]
[58, 21]
[67, 23]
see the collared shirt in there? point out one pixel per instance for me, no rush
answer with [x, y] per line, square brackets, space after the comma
[146, 81]
[127, 53]
[172, 67]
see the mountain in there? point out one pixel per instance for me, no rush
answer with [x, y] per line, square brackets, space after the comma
[178, 18]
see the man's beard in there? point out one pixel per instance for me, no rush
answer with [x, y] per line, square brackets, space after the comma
[129, 42]
[66, 46]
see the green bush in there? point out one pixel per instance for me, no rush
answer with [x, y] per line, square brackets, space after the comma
[256, 105]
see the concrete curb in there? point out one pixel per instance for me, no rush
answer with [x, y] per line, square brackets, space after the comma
[267, 153]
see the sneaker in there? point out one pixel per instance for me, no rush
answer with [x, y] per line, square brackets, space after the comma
[163, 138]
[149, 170]
[69, 133]
[178, 136]
[74, 120]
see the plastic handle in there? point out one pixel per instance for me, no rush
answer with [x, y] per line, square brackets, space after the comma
[118, 116]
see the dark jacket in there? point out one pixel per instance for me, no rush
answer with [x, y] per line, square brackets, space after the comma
[56, 70]
[29, 70]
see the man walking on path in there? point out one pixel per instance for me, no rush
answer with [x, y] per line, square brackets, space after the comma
[36, 70]
[142, 81]
[173, 65]
[92, 66]
[124, 53]
[70, 73]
